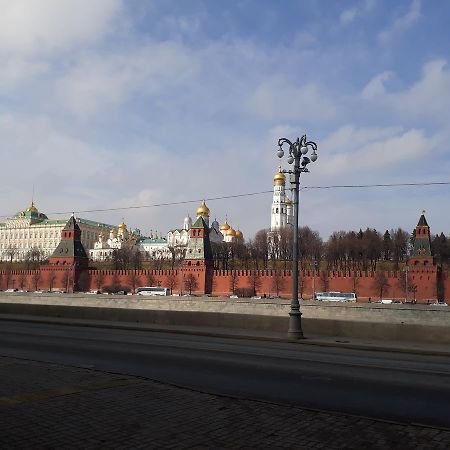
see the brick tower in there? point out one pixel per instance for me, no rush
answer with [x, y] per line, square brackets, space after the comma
[69, 259]
[421, 254]
[423, 273]
[199, 260]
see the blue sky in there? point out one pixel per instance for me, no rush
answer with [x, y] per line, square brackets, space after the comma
[114, 103]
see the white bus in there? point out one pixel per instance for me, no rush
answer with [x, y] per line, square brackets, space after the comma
[336, 296]
[152, 290]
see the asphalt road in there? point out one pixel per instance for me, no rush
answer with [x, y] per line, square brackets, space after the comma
[395, 386]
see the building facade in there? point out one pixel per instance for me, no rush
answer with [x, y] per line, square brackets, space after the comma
[31, 230]
[179, 238]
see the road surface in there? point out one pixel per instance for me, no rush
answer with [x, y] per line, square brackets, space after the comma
[396, 386]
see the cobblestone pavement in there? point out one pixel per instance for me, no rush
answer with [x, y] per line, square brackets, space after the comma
[50, 406]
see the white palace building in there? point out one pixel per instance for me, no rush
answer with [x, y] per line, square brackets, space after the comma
[30, 229]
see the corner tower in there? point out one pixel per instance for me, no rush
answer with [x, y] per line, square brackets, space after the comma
[421, 254]
[70, 250]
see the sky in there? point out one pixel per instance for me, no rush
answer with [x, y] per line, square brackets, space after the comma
[108, 104]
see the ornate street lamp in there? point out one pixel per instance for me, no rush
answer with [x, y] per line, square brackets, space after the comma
[297, 155]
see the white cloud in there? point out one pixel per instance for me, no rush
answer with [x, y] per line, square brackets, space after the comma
[36, 26]
[348, 16]
[351, 14]
[16, 70]
[428, 98]
[375, 87]
[280, 99]
[372, 153]
[401, 24]
[98, 81]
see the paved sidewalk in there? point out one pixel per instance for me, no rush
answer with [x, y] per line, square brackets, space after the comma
[50, 406]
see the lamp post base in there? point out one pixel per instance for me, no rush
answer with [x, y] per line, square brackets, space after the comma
[295, 325]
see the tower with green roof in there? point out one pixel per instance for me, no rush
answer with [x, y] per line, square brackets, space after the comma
[421, 254]
[199, 260]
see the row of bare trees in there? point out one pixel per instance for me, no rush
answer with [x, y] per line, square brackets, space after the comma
[344, 250]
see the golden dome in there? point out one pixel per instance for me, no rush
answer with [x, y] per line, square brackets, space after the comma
[289, 202]
[225, 226]
[239, 234]
[32, 208]
[203, 210]
[122, 226]
[231, 232]
[279, 179]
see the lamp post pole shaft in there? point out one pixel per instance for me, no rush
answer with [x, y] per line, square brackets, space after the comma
[295, 323]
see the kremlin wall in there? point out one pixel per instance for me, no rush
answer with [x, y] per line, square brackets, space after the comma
[68, 270]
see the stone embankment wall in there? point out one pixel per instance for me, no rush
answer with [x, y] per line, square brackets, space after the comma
[417, 323]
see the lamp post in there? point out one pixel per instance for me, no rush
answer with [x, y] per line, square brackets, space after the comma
[406, 283]
[315, 267]
[297, 156]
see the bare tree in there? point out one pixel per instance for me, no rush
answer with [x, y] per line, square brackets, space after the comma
[132, 280]
[151, 279]
[171, 281]
[412, 287]
[99, 280]
[234, 281]
[190, 283]
[36, 279]
[324, 280]
[22, 280]
[34, 257]
[51, 277]
[8, 275]
[66, 279]
[254, 281]
[11, 252]
[355, 283]
[122, 258]
[278, 282]
[381, 282]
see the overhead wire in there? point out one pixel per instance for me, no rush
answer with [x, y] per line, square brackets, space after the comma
[247, 194]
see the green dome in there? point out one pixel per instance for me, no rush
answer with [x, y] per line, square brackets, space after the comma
[32, 212]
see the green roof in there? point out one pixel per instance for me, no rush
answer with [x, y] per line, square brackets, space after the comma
[153, 241]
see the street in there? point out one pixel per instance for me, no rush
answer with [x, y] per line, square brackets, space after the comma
[407, 388]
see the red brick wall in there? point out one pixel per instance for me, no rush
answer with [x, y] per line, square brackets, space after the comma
[363, 283]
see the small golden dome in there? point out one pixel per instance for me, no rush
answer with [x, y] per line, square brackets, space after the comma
[32, 208]
[279, 179]
[122, 226]
[239, 234]
[289, 202]
[231, 232]
[225, 226]
[203, 210]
